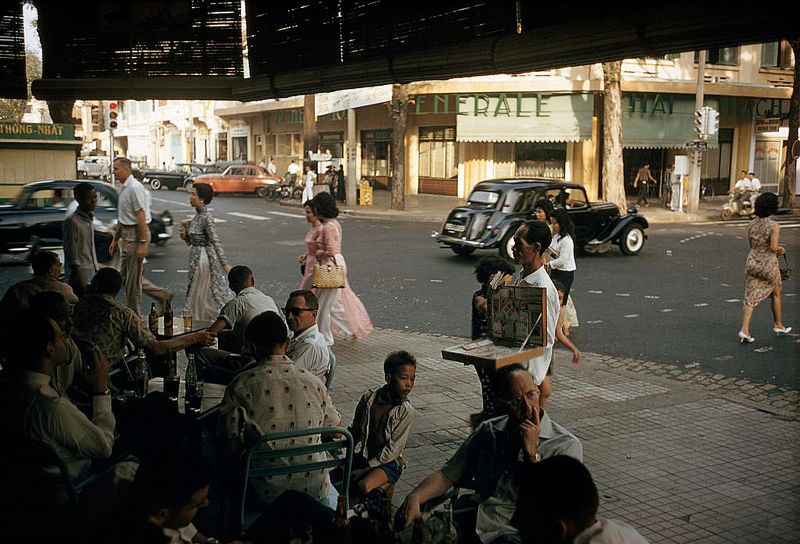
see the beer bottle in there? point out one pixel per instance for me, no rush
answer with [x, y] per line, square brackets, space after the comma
[141, 374]
[341, 525]
[168, 319]
[152, 320]
[418, 531]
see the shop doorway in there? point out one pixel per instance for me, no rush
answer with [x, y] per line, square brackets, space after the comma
[659, 161]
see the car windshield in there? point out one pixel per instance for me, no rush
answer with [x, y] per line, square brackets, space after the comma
[483, 199]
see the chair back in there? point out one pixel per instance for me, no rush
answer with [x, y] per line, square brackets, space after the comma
[256, 456]
[26, 477]
[331, 370]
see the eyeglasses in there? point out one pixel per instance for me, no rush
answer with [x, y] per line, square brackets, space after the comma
[518, 402]
[296, 311]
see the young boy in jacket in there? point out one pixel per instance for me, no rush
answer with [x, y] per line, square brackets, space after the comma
[382, 424]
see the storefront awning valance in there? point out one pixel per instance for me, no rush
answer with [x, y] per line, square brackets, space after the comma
[655, 121]
[521, 117]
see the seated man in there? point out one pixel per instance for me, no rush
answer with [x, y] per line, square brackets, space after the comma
[755, 188]
[239, 311]
[221, 365]
[488, 461]
[52, 305]
[46, 277]
[270, 396]
[33, 413]
[558, 503]
[742, 188]
[104, 322]
[308, 348]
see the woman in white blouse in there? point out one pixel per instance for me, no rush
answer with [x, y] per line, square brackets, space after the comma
[562, 267]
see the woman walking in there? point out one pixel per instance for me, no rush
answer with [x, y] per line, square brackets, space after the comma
[763, 275]
[562, 267]
[208, 287]
[308, 259]
[340, 313]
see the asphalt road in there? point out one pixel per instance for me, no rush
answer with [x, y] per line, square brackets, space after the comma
[678, 302]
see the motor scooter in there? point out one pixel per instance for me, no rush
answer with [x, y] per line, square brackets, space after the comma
[737, 207]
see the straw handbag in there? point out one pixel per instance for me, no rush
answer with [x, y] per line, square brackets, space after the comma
[328, 276]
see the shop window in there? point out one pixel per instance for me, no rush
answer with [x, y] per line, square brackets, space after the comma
[725, 56]
[269, 145]
[376, 148]
[284, 145]
[777, 55]
[333, 143]
[546, 161]
[222, 146]
[438, 152]
[239, 147]
[717, 162]
[297, 145]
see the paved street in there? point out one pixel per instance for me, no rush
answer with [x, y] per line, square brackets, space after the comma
[677, 303]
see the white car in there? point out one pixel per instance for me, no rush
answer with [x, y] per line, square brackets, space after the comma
[94, 167]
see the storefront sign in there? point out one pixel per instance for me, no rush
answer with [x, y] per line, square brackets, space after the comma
[485, 105]
[37, 131]
[326, 103]
[239, 132]
[319, 157]
[768, 124]
[660, 121]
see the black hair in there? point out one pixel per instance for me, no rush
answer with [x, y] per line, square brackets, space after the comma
[766, 204]
[553, 490]
[538, 232]
[265, 332]
[502, 380]
[238, 277]
[82, 190]
[43, 261]
[204, 192]
[50, 304]
[167, 482]
[308, 296]
[309, 203]
[29, 337]
[397, 359]
[324, 206]
[565, 224]
[489, 264]
[546, 205]
[107, 281]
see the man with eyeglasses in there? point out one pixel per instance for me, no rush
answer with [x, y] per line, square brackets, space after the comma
[308, 348]
[489, 460]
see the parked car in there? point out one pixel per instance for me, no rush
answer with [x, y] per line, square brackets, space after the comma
[193, 170]
[171, 179]
[94, 168]
[496, 208]
[36, 215]
[239, 179]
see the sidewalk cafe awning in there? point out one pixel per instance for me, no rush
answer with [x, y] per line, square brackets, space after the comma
[652, 121]
[525, 118]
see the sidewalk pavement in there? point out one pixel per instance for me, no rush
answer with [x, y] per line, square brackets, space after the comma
[682, 455]
[434, 209]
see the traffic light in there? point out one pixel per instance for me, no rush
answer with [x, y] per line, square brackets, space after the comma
[700, 121]
[113, 113]
[711, 121]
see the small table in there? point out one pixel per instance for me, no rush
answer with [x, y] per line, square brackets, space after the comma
[489, 354]
[212, 395]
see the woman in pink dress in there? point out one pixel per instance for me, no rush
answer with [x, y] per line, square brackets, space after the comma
[341, 312]
[308, 260]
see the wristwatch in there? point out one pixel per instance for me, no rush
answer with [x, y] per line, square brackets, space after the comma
[535, 458]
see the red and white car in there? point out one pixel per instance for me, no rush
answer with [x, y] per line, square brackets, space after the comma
[239, 179]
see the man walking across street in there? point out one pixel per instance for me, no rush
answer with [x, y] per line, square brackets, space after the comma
[309, 179]
[80, 257]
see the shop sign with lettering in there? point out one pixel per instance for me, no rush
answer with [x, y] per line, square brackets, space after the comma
[37, 131]
[485, 105]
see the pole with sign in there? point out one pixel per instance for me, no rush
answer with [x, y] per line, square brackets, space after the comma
[111, 123]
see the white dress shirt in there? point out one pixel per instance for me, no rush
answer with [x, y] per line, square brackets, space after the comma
[609, 531]
[132, 198]
[309, 350]
[538, 365]
[564, 248]
[743, 185]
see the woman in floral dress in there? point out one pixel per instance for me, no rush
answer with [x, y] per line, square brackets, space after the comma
[208, 287]
[763, 275]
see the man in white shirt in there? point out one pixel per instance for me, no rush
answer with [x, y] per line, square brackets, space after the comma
[32, 412]
[755, 188]
[271, 168]
[742, 187]
[308, 348]
[310, 179]
[530, 241]
[293, 170]
[132, 230]
[557, 504]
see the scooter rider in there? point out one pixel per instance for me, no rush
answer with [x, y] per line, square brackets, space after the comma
[755, 188]
[743, 188]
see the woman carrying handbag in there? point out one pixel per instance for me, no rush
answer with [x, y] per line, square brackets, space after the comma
[341, 313]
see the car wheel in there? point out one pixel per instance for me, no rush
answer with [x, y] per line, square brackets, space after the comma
[631, 241]
[261, 192]
[726, 214]
[463, 250]
[507, 244]
[155, 184]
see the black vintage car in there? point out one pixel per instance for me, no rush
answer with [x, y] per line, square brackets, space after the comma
[496, 208]
[171, 179]
[35, 217]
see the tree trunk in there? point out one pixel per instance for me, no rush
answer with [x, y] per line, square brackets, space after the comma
[613, 169]
[310, 136]
[399, 112]
[790, 166]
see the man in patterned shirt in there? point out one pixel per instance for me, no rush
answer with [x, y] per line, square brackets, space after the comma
[274, 395]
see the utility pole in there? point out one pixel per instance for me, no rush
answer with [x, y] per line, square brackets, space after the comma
[693, 198]
[111, 157]
[399, 112]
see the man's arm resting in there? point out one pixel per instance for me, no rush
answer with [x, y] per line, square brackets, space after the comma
[219, 325]
[431, 487]
[162, 347]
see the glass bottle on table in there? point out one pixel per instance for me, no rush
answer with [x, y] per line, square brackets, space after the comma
[168, 317]
[172, 381]
[194, 385]
[152, 320]
[141, 374]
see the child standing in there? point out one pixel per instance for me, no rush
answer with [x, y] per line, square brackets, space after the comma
[382, 424]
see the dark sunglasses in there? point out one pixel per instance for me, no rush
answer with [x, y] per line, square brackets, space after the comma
[296, 311]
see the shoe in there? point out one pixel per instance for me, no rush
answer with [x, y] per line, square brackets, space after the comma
[781, 332]
[745, 339]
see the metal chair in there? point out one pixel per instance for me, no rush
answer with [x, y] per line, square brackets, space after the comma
[256, 456]
[331, 370]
